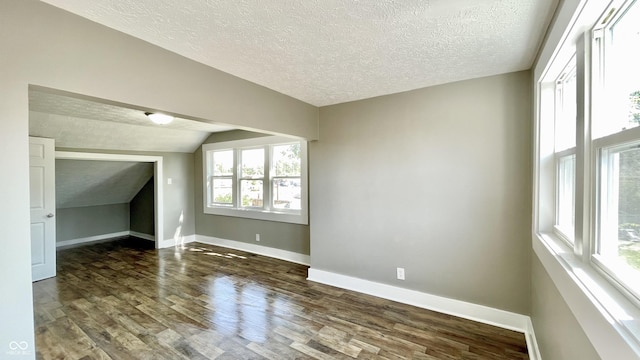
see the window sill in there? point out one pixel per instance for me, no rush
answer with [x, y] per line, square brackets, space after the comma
[608, 318]
[285, 217]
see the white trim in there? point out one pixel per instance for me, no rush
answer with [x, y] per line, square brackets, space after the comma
[259, 141]
[608, 318]
[256, 249]
[258, 214]
[69, 155]
[143, 236]
[532, 342]
[572, 19]
[267, 214]
[157, 172]
[167, 243]
[91, 239]
[480, 313]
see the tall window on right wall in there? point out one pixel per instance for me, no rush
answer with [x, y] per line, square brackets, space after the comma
[616, 145]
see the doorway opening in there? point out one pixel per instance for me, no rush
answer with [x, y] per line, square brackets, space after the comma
[156, 161]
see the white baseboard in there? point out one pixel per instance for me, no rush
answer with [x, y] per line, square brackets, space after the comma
[480, 313]
[91, 239]
[256, 249]
[532, 342]
[142, 235]
[173, 242]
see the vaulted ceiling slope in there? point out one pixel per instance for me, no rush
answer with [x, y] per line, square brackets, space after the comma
[87, 124]
[334, 51]
[92, 183]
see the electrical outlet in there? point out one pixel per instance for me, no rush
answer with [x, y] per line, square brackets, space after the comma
[400, 273]
[257, 237]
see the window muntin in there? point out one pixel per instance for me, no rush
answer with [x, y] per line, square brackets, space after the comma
[267, 179]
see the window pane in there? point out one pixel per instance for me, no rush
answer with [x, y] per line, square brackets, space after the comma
[621, 106]
[251, 193]
[223, 191]
[566, 195]
[619, 240]
[286, 194]
[286, 159]
[566, 108]
[252, 163]
[223, 163]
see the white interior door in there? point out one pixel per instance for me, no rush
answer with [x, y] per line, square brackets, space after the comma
[43, 206]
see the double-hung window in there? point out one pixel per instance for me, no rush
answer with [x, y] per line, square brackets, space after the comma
[587, 183]
[263, 178]
[616, 145]
[221, 178]
[286, 177]
[251, 178]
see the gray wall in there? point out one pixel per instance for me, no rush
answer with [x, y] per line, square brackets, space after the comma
[279, 235]
[46, 46]
[558, 333]
[80, 222]
[179, 197]
[437, 181]
[142, 210]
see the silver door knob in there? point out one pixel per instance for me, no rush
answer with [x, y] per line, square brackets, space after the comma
[49, 215]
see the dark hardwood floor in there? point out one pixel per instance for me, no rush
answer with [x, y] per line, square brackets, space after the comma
[126, 300]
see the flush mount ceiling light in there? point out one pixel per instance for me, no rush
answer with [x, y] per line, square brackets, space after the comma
[158, 118]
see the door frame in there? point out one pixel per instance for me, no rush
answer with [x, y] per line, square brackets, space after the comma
[157, 179]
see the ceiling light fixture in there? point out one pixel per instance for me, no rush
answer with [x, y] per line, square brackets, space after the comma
[158, 118]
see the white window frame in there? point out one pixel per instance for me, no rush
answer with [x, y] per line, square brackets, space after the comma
[241, 177]
[619, 274]
[267, 211]
[565, 233]
[208, 196]
[274, 177]
[607, 313]
[605, 174]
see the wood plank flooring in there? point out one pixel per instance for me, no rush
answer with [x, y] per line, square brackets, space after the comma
[126, 300]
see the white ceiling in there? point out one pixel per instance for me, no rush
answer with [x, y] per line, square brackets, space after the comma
[86, 124]
[333, 51]
[91, 183]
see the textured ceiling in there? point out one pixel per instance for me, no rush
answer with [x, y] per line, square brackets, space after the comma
[333, 51]
[85, 124]
[91, 183]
